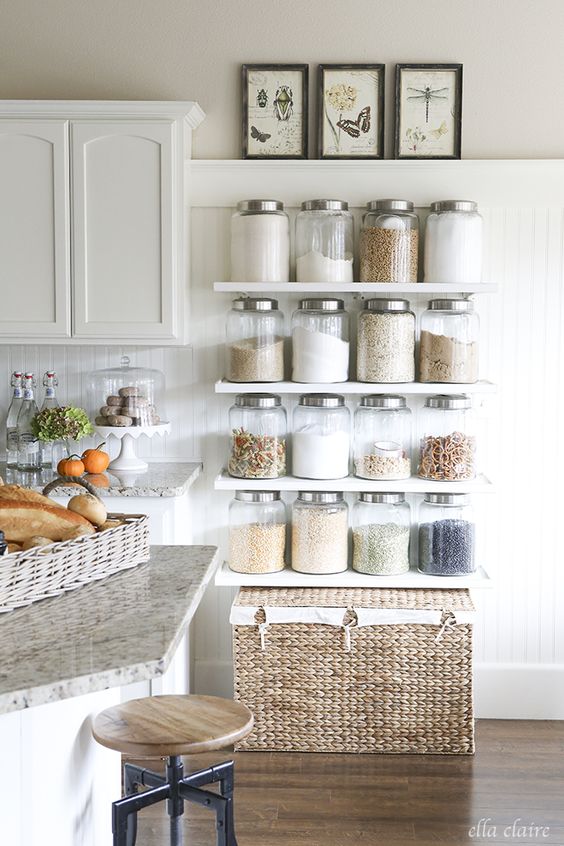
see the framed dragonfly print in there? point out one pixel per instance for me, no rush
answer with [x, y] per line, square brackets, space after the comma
[351, 112]
[275, 114]
[428, 112]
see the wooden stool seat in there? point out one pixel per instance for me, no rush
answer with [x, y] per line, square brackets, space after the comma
[162, 726]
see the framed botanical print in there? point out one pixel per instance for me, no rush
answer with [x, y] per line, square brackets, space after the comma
[275, 114]
[351, 112]
[428, 112]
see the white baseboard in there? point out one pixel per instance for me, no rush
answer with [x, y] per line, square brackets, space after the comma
[501, 691]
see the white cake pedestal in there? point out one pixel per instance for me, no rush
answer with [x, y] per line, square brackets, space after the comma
[127, 460]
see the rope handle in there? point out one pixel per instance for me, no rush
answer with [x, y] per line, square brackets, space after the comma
[62, 480]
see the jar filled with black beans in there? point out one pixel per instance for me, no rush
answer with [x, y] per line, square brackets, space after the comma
[447, 535]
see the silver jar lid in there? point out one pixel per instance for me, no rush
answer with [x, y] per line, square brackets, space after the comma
[322, 400]
[454, 205]
[448, 498]
[257, 496]
[392, 498]
[390, 205]
[382, 304]
[320, 497]
[257, 400]
[451, 305]
[325, 205]
[260, 205]
[450, 402]
[321, 304]
[254, 304]
[382, 401]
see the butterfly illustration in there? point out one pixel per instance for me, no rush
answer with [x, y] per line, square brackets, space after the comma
[260, 136]
[439, 131]
[355, 127]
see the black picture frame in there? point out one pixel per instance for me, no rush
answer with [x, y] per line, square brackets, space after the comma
[321, 70]
[457, 116]
[276, 68]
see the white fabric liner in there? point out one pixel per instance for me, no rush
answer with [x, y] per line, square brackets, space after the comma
[392, 616]
[309, 614]
[244, 615]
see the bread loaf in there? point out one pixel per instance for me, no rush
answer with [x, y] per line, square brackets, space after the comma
[20, 520]
[16, 493]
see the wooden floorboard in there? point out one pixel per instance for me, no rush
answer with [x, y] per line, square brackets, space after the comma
[291, 799]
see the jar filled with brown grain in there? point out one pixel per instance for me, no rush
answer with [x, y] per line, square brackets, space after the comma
[389, 242]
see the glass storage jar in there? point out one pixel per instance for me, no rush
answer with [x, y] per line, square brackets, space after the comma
[321, 437]
[255, 341]
[389, 242]
[127, 396]
[258, 437]
[447, 535]
[257, 532]
[260, 242]
[448, 344]
[320, 341]
[381, 526]
[320, 533]
[382, 438]
[453, 242]
[324, 242]
[447, 450]
[386, 341]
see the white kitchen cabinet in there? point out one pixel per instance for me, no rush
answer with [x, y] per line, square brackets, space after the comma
[95, 211]
[34, 229]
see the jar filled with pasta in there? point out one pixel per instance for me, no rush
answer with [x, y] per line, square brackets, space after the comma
[447, 449]
[258, 437]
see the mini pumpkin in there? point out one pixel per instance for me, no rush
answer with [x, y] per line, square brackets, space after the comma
[72, 466]
[95, 460]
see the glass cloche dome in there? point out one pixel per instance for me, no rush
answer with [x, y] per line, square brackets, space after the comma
[126, 396]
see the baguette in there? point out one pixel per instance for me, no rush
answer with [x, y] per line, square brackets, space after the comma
[16, 493]
[21, 520]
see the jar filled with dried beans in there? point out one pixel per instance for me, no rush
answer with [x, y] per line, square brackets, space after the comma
[381, 530]
[258, 437]
[257, 532]
[386, 341]
[389, 242]
[447, 535]
[447, 449]
[320, 527]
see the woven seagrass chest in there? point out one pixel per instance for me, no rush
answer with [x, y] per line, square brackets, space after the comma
[355, 670]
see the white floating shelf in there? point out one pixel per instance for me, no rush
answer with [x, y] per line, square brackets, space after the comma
[225, 482]
[423, 289]
[350, 578]
[353, 388]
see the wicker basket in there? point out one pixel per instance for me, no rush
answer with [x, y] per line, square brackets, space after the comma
[400, 688]
[44, 572]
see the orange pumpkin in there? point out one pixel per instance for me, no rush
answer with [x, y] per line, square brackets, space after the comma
[99, 480]
[71, 466]
[95, 460]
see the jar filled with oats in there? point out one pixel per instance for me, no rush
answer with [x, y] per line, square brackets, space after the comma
[386, 342]
[389, 242]
[320, 527]
[447, 450]
[254, 341]
[257, 532]
[382, 438]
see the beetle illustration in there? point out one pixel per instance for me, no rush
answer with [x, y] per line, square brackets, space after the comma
[283, 103]
[262, 98]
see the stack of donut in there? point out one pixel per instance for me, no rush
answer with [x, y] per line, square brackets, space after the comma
[129, 407]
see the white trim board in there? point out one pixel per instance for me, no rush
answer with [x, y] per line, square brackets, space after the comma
[519, 691]
[491, 182]
[191, 111]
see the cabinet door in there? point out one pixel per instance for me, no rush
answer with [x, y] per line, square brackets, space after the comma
[34, 230]
[126, 215]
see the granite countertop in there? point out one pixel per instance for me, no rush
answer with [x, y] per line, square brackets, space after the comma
[162, 479]
[106, 634]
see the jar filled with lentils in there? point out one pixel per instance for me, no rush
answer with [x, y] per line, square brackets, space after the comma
[381, 529]
[257, 532]
[389, 242]
[320, 526]
[447, 535]
[447, 450]
[258, 437]
[386, 341]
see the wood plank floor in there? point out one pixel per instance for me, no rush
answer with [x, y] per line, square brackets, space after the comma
[287, 799]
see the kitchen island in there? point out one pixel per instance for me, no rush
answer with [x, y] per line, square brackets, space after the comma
[64, 659]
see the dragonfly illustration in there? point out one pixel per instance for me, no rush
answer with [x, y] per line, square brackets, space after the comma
[427, 94]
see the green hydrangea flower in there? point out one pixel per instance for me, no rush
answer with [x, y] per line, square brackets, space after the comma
[64, 423]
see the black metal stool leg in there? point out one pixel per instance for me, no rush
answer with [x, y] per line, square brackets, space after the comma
[123, 808]
[175, 805]
[226, 784]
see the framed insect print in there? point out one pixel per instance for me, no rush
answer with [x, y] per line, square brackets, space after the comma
[351, 112]
[275, 101]
[428, 112]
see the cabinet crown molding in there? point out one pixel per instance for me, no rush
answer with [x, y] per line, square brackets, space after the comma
[188, 110]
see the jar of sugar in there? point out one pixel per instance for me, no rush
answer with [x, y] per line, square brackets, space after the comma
[453, 243]
[324, 242]
[260, 242]
[320, 341]
[321, 437]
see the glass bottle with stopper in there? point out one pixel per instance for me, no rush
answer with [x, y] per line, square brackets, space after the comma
[12, 420]
[29, 448]
[50, 382]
